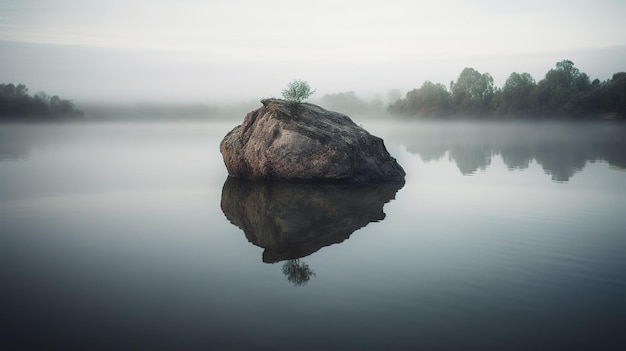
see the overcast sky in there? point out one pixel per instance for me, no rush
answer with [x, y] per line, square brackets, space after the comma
[193, 50]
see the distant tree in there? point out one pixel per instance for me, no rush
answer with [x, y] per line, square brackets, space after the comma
[515, 97]
[568, 75]
[297, 91]
[473, 92]
[16, 103]
[7, 90]
[562, 92]
[21, 90]
[43, 97]
[618, 85]
[610, 96]
[428, 101]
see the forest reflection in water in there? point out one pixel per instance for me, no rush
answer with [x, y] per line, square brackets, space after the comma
[294, 220]
[561, 149]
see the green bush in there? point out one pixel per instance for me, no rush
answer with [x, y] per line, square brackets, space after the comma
[297, 91]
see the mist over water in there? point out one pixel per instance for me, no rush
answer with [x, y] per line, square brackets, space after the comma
[117, 235]
[120, 229]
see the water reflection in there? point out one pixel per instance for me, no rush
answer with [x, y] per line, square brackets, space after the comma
[297, 272]
[294, 220]
[17, 141]
[561, 149]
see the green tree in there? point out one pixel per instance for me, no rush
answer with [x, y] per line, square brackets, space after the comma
[515, 97]
[43, 97]
[562, 92]
[610, 96]
[473, 92]
[618, 90]
[7, 90]
[430, 100]
[297, 91]
[21, 90]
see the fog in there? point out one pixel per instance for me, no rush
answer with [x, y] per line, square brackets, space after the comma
[87, 74]
[227, 52]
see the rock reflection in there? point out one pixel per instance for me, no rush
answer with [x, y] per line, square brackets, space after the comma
[294, 220]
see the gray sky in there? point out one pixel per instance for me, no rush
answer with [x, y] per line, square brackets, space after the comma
[227, 50]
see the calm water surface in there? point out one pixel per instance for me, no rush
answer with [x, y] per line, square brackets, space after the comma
[130, 236]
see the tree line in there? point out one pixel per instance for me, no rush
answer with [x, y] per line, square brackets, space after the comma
[16, 103]
[564, 92]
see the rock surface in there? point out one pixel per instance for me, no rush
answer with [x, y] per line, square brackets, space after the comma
[304, 142]
[293, 220]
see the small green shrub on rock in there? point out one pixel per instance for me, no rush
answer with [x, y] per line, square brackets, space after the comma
[297, 91]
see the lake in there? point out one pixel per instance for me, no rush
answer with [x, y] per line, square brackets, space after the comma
[117, 236]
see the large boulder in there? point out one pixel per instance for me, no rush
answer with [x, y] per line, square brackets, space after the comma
[304, 142]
